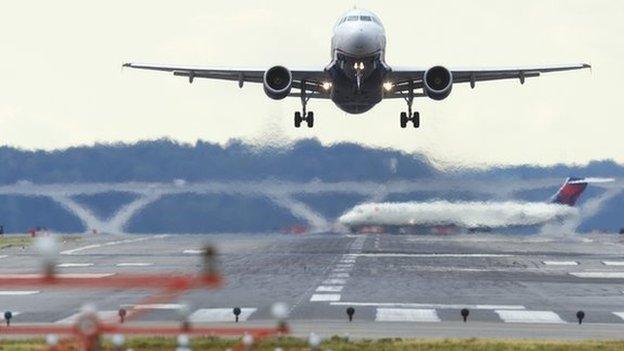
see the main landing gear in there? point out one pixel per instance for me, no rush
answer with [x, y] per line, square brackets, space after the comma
[408, 116]
[304, 116]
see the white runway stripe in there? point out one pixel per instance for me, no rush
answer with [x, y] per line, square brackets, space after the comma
[344, 265]
[560, 263]
[3, 256]
[220, 315]
[619, 314]
[192, 252]
[529, 316]
[324, 288]
[325, 297]
[339, 275]
[111, 243]
[334, 281]
[102, 315]
[613, 263]
[158, 306]
[60, 275]
[18, 292]
[134, 264]
[430, 305]
[406, 315]
[434, 255]
[341, 270]
[605, 275]
[74, 265]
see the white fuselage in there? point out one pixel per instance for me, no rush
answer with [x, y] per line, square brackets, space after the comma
[358, 63]
[470, 215]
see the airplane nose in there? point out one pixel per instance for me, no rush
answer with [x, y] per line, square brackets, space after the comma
[359, 42]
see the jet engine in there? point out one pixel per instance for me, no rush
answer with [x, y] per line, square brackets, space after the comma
[277, 82]
[438, 82]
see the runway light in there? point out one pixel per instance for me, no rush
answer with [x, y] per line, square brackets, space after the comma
[350, 312]
[314, 341]
[279, 310]
[52, 340]
[327, 85]
[248, 340]
[465, 313]
[388, 86]
[580, 315]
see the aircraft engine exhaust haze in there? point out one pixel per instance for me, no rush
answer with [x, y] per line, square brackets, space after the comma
[442, 216]
[357, 78]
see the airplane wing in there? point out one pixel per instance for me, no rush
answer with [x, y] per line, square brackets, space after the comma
[403, 77]
[312, 78]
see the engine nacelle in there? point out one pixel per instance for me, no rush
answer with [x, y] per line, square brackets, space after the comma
[438, 82]
[277, 82]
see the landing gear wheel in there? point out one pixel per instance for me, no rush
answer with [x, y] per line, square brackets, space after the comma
[403, 119]
[310, 119]
[416, 119]
[298, 119]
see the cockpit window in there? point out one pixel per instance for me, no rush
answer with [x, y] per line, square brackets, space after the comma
[342, 20]
[352, 18]
[366, 18]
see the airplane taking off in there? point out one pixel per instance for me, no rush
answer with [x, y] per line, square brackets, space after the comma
[445, 217]
[358, 77]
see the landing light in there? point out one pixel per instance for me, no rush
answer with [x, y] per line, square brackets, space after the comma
[388, 86]
[327, 85]
[361, 65]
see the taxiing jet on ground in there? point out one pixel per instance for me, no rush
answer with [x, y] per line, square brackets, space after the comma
[445, 216]
[358, 77]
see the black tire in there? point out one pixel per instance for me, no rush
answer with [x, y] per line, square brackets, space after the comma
[403, 119]
[298, 119]
[310, 119]
[416, 120]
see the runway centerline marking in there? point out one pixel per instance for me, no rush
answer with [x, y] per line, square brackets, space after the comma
[60, 275]
[406, 315]
[560, 263]
[429, 305]
[112, 243]
[339, 275]
[334, 281]
[74, 265]
[134, 264]
[102, 315]
[325, 297]
[18, 292]
[4, 256]
[613, 263]
[220, 315]
[158, 306]
[432, 255]
[549, 317]
[597, 275]
[192, 251]
[329, 288]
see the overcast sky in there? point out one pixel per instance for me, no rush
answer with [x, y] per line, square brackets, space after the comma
[61, 82]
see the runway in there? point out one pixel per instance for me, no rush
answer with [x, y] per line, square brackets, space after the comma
[399, 286]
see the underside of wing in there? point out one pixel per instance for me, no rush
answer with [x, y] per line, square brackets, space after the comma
[406, 79]
[312, 79]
